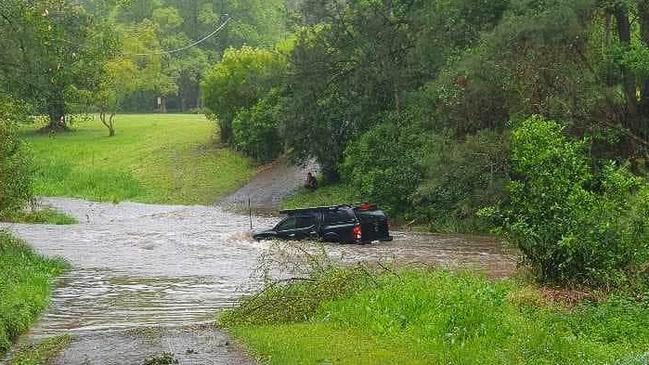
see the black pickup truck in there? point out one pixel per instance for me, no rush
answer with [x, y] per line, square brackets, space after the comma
[362, 223]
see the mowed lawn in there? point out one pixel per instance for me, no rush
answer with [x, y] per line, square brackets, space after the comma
[154, 158]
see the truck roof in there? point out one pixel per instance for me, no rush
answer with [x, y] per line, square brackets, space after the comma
[363, 206]
[314, 209]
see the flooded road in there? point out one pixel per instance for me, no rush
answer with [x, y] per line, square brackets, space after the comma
[140, 269]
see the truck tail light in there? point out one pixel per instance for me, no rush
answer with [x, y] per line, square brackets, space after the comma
[357, 233]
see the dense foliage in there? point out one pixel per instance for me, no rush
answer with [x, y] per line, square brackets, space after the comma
[243, 77]
[411, 103]
[53, 52]
[573, 222]
[15, 160]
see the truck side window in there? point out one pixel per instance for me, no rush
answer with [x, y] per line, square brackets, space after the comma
[338, 216]
[286, 224]
[305, 221]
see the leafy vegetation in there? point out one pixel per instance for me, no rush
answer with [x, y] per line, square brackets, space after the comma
[25, 286]
[422, 316]
[575, 224]
[43, 63]
[158, 159]
[15, 160]
[410, 102]
[241, 78]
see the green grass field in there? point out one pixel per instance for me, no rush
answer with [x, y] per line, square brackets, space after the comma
[154, 158]
[437, 317]
[25, 286]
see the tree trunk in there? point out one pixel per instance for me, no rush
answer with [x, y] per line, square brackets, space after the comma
[56, 112]
[643, 15]
[163, 104]
[111, 126]
[108, 122]
[628, 80]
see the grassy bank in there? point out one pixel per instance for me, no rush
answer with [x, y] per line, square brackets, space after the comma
[153, 158]
[46, 215]
[435, 317]
[25, 287]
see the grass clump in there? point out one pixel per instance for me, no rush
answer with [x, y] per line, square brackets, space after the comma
[296, 299]
[46, 215]
[166, 358]
[40, 353]
[153, 159]
[25, 286]
[423, 316]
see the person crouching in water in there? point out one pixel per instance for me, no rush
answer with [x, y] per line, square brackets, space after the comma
[311, 182]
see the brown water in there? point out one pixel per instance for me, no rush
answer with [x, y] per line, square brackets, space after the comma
[139, 266]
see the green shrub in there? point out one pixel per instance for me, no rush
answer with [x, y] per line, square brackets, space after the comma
[256, 130]
[384, 165]
[461, 178]
[573, 225]
[242, 77]
[15, 161]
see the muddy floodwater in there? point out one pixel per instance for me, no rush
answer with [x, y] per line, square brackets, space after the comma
[148, 279]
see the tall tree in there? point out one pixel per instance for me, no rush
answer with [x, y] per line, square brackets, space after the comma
[55, 52]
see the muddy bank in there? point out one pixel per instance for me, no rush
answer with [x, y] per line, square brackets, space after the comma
[144, 273]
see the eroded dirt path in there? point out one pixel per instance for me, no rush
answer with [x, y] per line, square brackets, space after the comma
[266, 190]
[148, 279]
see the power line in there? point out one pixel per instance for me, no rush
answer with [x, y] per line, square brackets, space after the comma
[194, 44]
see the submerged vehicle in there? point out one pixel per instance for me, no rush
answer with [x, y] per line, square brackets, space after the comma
[346, 223]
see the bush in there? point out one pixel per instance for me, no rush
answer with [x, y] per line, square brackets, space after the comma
[575, 225]
[461, 178]
[256, 130]
[242, 77]
[384, 165]
[15, 161]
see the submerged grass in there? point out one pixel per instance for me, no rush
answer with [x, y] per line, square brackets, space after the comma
[422, 316]
[40, 353]
[154, 158]
[25, 286]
